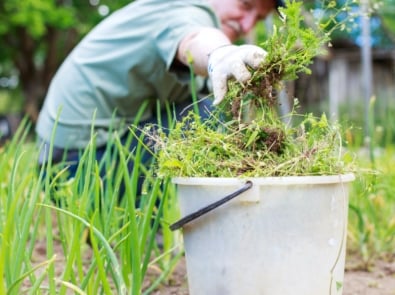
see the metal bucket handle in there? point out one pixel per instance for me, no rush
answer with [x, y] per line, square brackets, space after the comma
[180, 223]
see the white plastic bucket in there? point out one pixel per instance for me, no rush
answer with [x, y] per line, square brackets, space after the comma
[284, 236]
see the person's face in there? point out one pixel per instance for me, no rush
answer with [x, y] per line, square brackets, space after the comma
[238, 17]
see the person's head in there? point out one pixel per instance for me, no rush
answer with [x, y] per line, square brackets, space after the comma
[238, 17]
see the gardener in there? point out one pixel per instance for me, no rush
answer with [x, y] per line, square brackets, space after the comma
[138, 56]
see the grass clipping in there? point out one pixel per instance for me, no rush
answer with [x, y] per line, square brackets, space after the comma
[244, 136]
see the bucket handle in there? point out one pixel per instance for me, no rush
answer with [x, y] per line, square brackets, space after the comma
[180, 223]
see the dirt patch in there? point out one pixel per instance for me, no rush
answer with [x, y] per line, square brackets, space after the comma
[379, 280]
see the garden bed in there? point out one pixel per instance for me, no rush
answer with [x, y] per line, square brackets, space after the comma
[378, 280]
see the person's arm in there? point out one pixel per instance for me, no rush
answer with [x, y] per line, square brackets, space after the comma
[212, 53]
[199, 45]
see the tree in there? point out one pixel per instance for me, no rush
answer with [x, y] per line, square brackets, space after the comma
[36, 35]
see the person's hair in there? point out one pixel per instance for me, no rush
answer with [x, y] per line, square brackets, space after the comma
[278, 4]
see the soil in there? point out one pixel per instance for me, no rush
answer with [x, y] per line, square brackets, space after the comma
[374, 278]
[377, 278]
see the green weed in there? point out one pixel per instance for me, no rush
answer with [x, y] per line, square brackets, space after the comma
[245, 136]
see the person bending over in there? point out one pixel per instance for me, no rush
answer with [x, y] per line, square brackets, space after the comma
[140, 56]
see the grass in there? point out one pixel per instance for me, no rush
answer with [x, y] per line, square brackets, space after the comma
[263, 147]
[372, 208]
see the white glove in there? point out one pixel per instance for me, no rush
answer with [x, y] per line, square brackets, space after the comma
[230, 61]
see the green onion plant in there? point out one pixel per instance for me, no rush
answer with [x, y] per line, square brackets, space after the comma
[91, 240]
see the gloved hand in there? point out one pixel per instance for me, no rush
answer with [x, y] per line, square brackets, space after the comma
[230, 61]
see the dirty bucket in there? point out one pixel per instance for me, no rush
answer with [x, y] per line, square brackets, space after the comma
[274, 236]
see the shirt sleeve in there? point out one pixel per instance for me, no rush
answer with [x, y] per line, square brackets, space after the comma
[186, 20]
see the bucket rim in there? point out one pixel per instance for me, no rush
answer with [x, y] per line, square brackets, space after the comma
[270, 180]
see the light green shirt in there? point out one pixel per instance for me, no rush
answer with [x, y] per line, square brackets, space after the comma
[122, 62]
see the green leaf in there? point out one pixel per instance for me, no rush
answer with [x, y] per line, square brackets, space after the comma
[252, 138]
[339, 285]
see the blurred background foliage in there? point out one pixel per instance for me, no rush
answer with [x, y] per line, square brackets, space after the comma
[36, 35]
